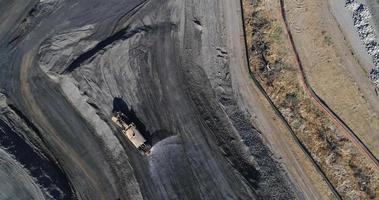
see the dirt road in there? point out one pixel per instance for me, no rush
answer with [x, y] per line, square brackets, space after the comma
[332, 67]
[252, 100]
[348, 132]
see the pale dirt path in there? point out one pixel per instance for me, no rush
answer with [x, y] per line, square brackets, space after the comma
[332, 71]
[347, 131]
[298, 168]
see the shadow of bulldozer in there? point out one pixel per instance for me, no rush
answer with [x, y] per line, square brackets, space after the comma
[119, 105]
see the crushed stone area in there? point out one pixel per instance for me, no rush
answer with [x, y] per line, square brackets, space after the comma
[361, 17]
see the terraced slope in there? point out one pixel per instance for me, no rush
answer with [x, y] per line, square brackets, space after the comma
[65, 65]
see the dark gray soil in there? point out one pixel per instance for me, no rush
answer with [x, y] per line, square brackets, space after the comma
[165, 64]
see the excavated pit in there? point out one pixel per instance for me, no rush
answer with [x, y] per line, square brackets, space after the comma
[165, 64]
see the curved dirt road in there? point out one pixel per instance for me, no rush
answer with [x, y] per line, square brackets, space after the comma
[348, 132]
[252, 99]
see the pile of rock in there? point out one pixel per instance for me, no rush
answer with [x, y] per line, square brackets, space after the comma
[39, 11]
[361, 17]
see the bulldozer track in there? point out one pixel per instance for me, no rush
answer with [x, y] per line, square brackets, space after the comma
[320, 103]
[281, 117]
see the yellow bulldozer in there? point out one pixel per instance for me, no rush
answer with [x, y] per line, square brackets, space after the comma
[131, 132]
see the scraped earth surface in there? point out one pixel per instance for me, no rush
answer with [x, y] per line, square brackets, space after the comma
[65, 65]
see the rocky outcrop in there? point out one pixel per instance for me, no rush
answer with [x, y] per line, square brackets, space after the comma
[58, 51]
[34, 16]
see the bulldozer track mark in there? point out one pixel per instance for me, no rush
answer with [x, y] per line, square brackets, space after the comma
[298, 29]
[300, 4]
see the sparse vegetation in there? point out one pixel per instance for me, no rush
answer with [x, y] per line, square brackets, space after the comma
[327, 38]
[271, 63]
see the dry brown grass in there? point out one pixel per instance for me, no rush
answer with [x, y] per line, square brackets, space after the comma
[272, 62]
